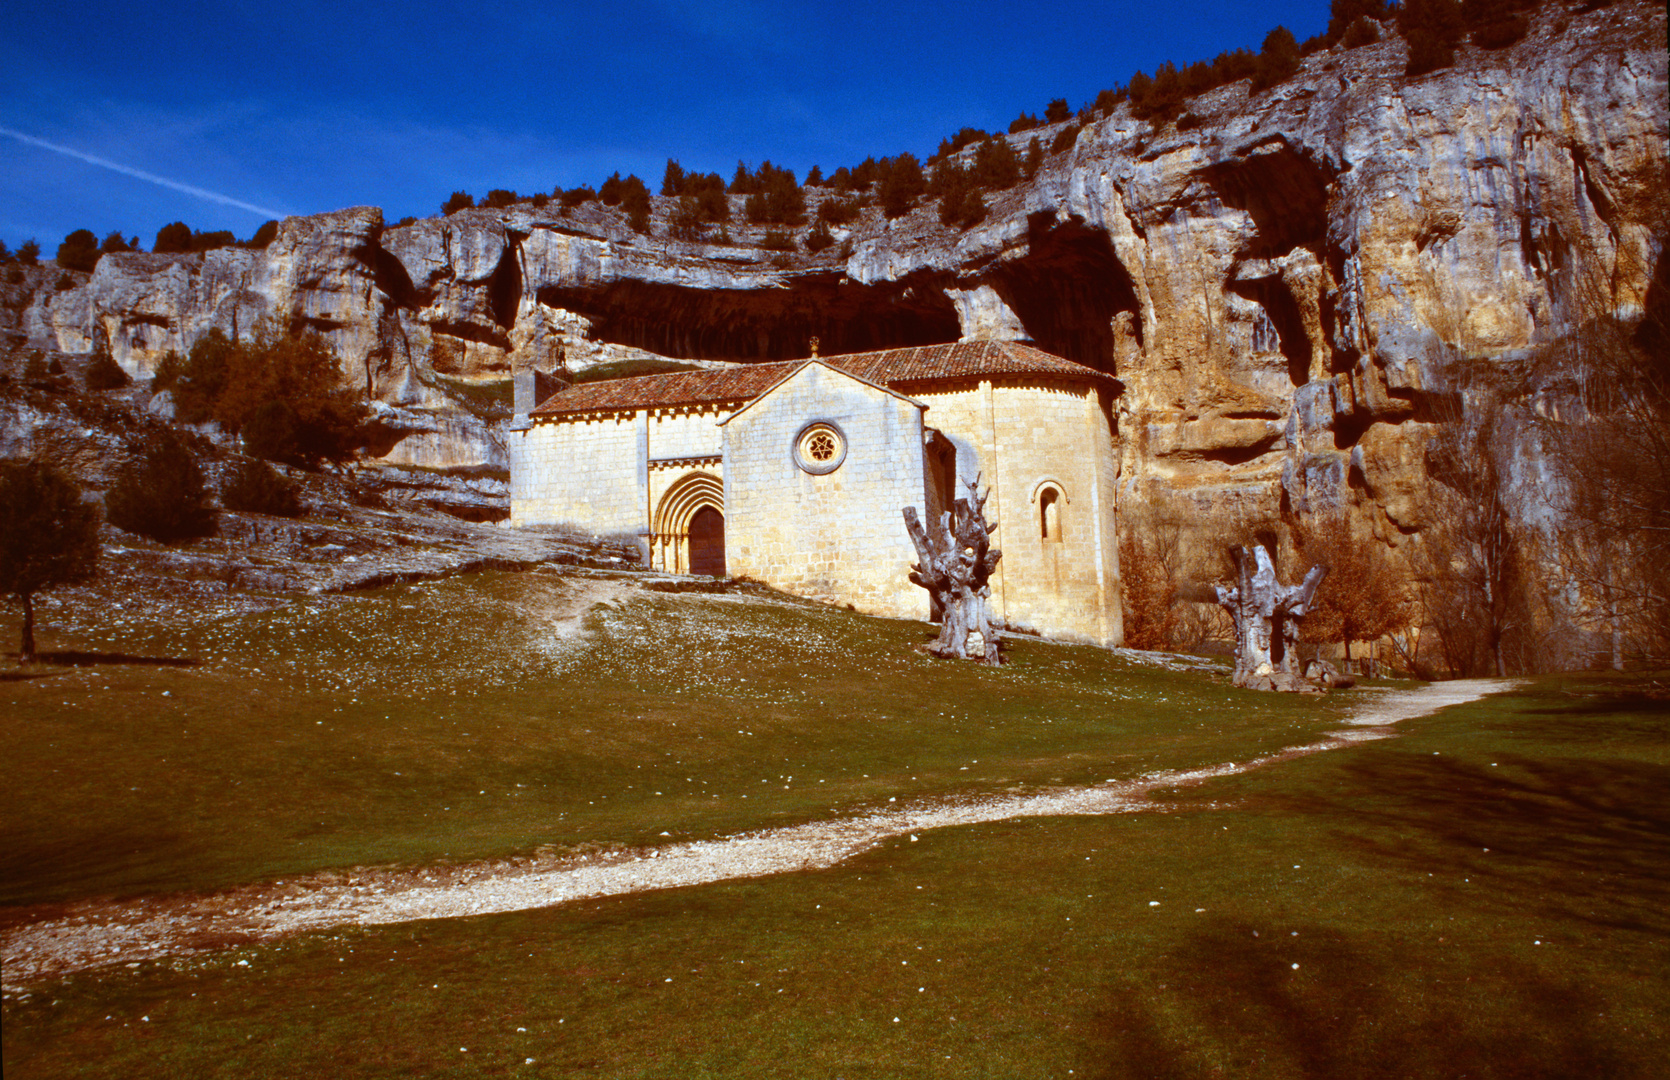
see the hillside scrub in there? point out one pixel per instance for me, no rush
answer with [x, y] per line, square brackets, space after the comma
[282, 392]
[161, 493]
[256, 487]
[102, 371]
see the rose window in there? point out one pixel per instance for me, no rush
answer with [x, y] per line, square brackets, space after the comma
[820, 448]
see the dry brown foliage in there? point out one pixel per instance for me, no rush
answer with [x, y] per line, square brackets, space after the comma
[1150, 590]
[1611, 448]
[1169, 557]
[1366, 595]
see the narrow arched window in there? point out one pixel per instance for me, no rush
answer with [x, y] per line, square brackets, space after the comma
[1049, 515]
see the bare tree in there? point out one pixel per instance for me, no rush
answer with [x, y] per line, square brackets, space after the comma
[1367, 595]
[1474, 575]
[1148, 568]
[1611, 446]
[1266, 614]
[955, 563]
[1164, 566]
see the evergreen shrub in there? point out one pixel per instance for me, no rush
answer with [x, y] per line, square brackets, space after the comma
[160, 494]
[256, 487]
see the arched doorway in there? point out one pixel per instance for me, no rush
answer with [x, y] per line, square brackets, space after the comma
[677, 536]
[707, 542]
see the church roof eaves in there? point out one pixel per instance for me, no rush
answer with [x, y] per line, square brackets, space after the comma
[888, 369]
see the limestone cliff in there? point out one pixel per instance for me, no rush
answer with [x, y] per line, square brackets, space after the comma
[1274, 281]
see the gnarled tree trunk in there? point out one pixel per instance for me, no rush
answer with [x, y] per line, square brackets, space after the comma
[1266, 615]
[955, 563]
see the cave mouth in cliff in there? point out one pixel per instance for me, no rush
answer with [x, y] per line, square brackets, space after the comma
[504, 289]
[765, 324]
[391, 277]
[1284, 192]
[1067, 289]
[1292, 339]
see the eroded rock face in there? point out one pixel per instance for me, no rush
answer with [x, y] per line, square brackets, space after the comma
[1275, 286]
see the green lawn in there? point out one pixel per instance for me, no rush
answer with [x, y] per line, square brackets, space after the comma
[450, 720]
[1487, 895]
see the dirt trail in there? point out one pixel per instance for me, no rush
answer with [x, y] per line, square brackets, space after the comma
[98, 934]
[563, 603]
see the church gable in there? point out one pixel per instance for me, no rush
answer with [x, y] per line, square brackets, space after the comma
[817, 469]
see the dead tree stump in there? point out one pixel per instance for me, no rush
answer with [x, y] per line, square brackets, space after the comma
[1266, 615]
[955, 563]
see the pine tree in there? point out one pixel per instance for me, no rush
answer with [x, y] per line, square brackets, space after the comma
[672, 180]
[1433, 29]
[996, 168]
[172, 238]
[901, 185]
[1277, 60]
[1034, 158]
[160, 494]
[79, 251]
[48, 536]
[1494, 24]
[1342, 14]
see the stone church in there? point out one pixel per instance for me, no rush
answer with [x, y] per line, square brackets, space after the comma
[795, 474]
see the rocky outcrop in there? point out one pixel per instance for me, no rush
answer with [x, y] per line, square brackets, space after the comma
[1276, 284]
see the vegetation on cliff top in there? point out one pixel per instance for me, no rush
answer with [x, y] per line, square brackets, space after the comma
[1434, 29]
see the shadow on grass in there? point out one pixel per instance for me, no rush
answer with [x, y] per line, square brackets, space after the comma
[49, 872]
[91, 659]
[1613, 703]
[1564, 838]
[1238, 1006]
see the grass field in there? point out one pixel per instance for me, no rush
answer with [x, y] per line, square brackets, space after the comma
[1486, 895]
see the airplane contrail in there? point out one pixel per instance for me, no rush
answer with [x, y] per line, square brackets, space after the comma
[140, 174]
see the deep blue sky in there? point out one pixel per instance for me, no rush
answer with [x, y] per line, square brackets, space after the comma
[309, 106]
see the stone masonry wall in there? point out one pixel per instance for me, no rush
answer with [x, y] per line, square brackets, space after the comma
[1019, 437]
[839, 537]
[587, 471]
[687, 431]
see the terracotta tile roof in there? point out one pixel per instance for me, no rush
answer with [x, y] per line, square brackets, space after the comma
[963, 359]
[893, 368]
[674, 388]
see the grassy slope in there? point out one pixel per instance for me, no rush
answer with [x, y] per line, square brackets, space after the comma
[449, 720]
[1028, 948]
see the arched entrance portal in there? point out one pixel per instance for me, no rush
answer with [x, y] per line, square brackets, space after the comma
[707, 542]
[688, 533]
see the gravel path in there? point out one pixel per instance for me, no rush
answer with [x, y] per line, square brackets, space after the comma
[98, 934]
